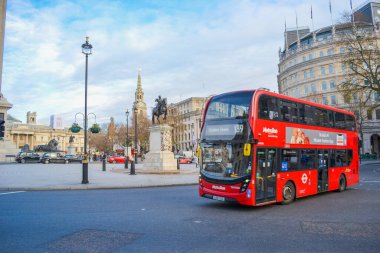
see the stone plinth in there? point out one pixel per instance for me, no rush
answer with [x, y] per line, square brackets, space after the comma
[7, 148]
[160, 157]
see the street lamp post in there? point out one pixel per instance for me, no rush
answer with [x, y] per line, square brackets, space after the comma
[135, 111]
[86, 49]
[127, 158]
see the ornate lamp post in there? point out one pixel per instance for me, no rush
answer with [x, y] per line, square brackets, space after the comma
[127, 158]
[135, 110]
[87, 50]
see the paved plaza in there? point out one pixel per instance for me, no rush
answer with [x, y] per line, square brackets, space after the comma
[38, 176]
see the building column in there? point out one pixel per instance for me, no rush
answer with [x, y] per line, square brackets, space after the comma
[18, 140]
[366, 143]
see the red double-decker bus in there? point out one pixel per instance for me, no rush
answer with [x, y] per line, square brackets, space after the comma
[259, 147]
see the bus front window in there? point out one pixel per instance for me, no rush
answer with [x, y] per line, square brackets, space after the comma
[225, 160]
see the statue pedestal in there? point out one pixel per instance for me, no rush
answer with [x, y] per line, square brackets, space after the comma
[71, 150]
[7, 147]
[160, 158]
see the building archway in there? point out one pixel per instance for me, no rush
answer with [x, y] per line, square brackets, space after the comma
[375, 144]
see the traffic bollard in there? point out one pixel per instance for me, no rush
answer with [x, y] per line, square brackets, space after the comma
[132, 168]
[104, 164]
[177, 164]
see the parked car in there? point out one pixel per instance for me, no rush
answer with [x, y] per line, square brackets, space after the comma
[27, 157]
[185, 160]
[73, 158]
[117, 159]
[53, 157]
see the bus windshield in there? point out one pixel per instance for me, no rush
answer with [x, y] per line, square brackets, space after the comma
[225, 160]
[231, 105]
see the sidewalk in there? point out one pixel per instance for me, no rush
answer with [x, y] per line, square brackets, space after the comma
[21, 177]
[364, 162]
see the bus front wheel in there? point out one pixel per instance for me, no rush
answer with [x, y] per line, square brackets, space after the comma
[288, 193]
[342, 183]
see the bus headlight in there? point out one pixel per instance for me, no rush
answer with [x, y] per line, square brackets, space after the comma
[244, 186]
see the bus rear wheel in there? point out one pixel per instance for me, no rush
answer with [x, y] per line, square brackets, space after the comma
[288, 193]
[342, 183]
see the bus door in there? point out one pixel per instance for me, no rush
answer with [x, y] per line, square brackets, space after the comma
[266, 161]
[323, 172]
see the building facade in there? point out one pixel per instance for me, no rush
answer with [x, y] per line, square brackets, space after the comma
[185, 117]
[310, 68]
[33, 134]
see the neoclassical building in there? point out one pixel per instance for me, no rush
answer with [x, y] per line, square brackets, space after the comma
[186, 118]
[34, 134]
[310, 68]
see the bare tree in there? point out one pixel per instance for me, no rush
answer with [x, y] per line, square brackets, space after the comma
[360, 56]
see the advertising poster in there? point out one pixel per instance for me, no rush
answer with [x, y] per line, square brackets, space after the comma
[296, 135]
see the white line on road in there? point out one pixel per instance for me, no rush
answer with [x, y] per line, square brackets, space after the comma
[11, 192]
[370, 181]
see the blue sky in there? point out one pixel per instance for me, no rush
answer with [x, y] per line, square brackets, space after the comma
[184, 48]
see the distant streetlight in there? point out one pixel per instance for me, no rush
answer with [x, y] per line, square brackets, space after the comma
[135, 110]
[127, 158]
[87, 50]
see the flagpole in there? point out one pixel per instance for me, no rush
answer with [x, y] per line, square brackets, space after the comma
[298, 36]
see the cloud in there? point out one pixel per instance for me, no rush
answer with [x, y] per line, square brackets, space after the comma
[184, 49]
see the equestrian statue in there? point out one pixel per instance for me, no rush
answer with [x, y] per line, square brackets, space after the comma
[159, 109]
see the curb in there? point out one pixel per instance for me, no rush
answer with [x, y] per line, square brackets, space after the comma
[92, 188]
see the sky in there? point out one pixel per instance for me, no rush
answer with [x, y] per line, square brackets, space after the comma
[183, 48]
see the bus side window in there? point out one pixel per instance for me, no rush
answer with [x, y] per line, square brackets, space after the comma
[289, 160]
[268, 107]
[330, 119]
[309, 115]
[288, 110]
[339, 120]
[340, 158]
[332, 158]
[302, 115]
[307, 159]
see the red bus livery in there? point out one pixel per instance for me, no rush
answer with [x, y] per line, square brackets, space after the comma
[259, 147]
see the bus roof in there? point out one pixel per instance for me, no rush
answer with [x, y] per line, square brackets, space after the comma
[260, 91]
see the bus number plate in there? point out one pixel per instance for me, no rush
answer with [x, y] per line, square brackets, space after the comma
[218, 198]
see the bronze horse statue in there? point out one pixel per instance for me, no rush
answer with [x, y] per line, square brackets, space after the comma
[160, 109]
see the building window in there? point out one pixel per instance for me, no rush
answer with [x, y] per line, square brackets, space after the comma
[333, 101]
[331, 69]
[312, 72]
[376, 96]
[324, 85]
[312, 88]
[325, 101]
[369, 114]
[342, 50]
[310, 56]
[303, 58]
[332, 84]
[321, 54]
[330, 51]
[306, 89]
[323, 71]
[305, 74]
[378, 114]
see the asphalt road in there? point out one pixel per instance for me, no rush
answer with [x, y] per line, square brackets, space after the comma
[175, 219]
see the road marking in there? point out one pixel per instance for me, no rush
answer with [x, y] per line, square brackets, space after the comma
[11, 192]
[370, 181]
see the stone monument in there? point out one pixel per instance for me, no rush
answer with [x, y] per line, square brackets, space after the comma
[7, 148]
[71, 148]
[160, 157]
